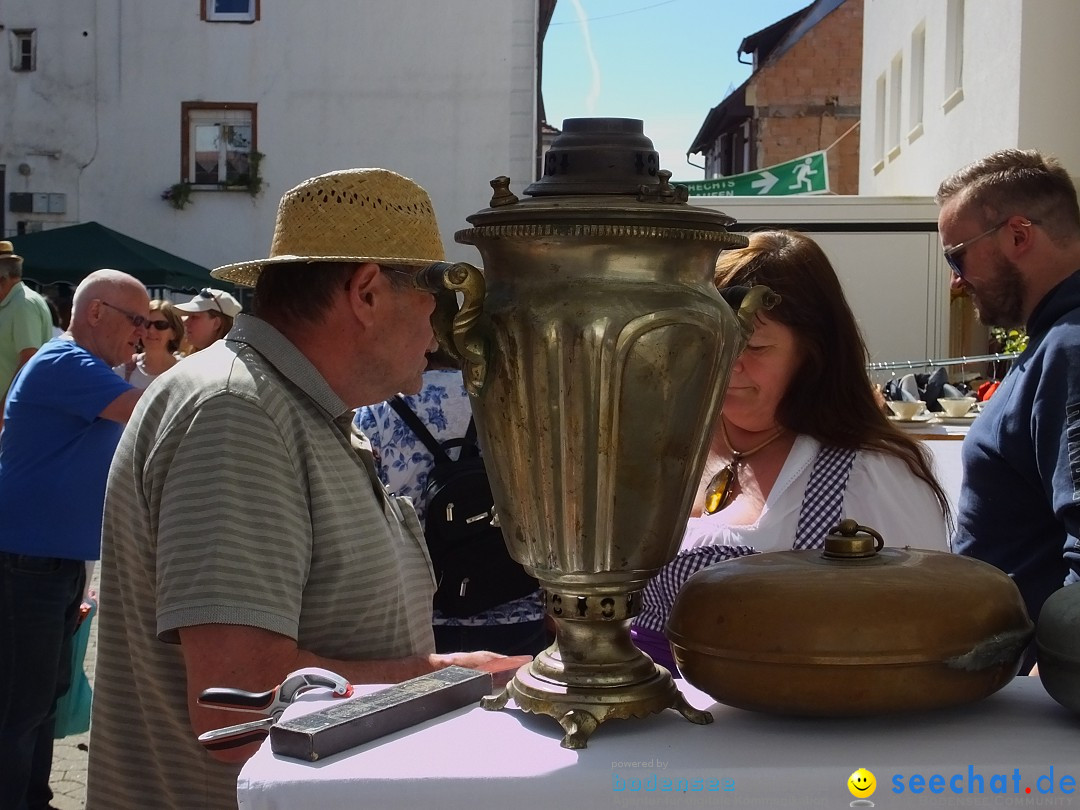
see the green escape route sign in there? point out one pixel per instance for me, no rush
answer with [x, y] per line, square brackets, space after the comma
[806, 175]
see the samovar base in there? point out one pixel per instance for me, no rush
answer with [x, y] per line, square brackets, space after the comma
[580, 709]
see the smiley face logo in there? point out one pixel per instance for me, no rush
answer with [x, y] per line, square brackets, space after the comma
[862, 784]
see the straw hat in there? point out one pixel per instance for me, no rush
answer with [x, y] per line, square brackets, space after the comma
[8, 251]
[355, 215]
[11, 264]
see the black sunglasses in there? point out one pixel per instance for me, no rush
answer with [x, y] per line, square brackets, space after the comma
[161, 326]
[206, 292]
[138, 321]
[955, 255]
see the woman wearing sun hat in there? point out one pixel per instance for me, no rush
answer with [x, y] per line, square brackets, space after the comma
[208, 317]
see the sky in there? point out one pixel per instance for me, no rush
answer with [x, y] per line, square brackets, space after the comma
[667, 62]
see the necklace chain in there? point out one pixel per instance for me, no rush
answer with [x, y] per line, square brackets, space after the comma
[737, 455]
[721, 488]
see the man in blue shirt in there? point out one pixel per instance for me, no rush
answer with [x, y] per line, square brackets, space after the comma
[62, 420]
[1011, 226]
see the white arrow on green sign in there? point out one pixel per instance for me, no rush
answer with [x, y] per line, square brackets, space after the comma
[808, 174]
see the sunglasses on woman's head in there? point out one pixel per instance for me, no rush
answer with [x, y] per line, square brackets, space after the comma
[206, 293]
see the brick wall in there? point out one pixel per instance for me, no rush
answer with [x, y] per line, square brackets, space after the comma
[810, 96]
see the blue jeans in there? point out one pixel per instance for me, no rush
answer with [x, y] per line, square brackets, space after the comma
[39, 609]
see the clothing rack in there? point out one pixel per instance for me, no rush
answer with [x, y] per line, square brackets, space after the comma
[946, 361]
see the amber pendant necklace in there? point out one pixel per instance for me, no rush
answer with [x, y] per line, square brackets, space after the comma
[721, 488]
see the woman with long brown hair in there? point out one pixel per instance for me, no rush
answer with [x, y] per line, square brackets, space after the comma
[801, 441]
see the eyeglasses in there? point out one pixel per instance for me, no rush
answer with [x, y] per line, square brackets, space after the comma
[400, 277]
[161, 326]
[407, 275]
[138, 321]
[954, 255]
[206, 292]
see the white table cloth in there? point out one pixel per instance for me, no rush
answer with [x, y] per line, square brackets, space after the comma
[1015, 740]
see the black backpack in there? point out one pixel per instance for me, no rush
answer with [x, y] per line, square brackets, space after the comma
[473, 569]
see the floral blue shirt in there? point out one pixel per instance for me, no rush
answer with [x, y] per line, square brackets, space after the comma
[404, 463]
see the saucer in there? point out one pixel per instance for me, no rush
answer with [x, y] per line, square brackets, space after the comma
[966, 419]
[921, 417]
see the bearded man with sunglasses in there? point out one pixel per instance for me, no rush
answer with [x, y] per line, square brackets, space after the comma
[62, 421]
[1010, 224]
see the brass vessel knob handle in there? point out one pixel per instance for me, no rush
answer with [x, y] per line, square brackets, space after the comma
[664, 192]
[849, 541]
[503, 195]
[456, 328]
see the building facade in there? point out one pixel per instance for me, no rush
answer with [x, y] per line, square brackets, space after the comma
[181, 122]
[948, 81]
[803, 96]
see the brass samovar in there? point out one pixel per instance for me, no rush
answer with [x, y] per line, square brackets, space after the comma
[597, 352]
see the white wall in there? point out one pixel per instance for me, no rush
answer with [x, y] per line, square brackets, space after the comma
[1050, 64]
[48, 121]
[441, 92]
[886, 253]
[984, 117]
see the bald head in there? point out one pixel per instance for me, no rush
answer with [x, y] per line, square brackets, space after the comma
[108, 314]
[100, 284]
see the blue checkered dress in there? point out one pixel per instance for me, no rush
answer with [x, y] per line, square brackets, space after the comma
[822, 509]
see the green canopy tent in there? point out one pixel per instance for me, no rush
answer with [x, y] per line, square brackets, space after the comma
[67, 255]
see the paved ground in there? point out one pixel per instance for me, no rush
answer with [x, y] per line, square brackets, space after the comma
[69, 754]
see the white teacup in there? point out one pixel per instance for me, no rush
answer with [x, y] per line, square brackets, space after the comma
[956, 406]
[906, 410]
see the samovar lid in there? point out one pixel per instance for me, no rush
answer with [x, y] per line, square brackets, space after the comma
[602, 179]
[598, 156]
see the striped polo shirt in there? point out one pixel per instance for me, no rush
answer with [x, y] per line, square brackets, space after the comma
[239, 494]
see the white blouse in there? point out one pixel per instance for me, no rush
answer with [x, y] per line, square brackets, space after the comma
[140, 377]
[882, 494]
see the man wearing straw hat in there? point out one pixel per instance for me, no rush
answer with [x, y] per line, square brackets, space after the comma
[246, 533]
[25, 321]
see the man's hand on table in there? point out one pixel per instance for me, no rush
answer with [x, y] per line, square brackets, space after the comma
[501, 667]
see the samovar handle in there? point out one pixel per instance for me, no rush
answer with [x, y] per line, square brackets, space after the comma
[747, 302]
[456, 327]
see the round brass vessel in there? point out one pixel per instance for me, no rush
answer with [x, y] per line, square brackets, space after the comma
[1057, 639]
[852, 629]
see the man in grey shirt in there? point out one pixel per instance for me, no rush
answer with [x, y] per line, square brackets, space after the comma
[245, 532]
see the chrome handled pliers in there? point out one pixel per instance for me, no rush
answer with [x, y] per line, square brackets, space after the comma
[271, 704]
